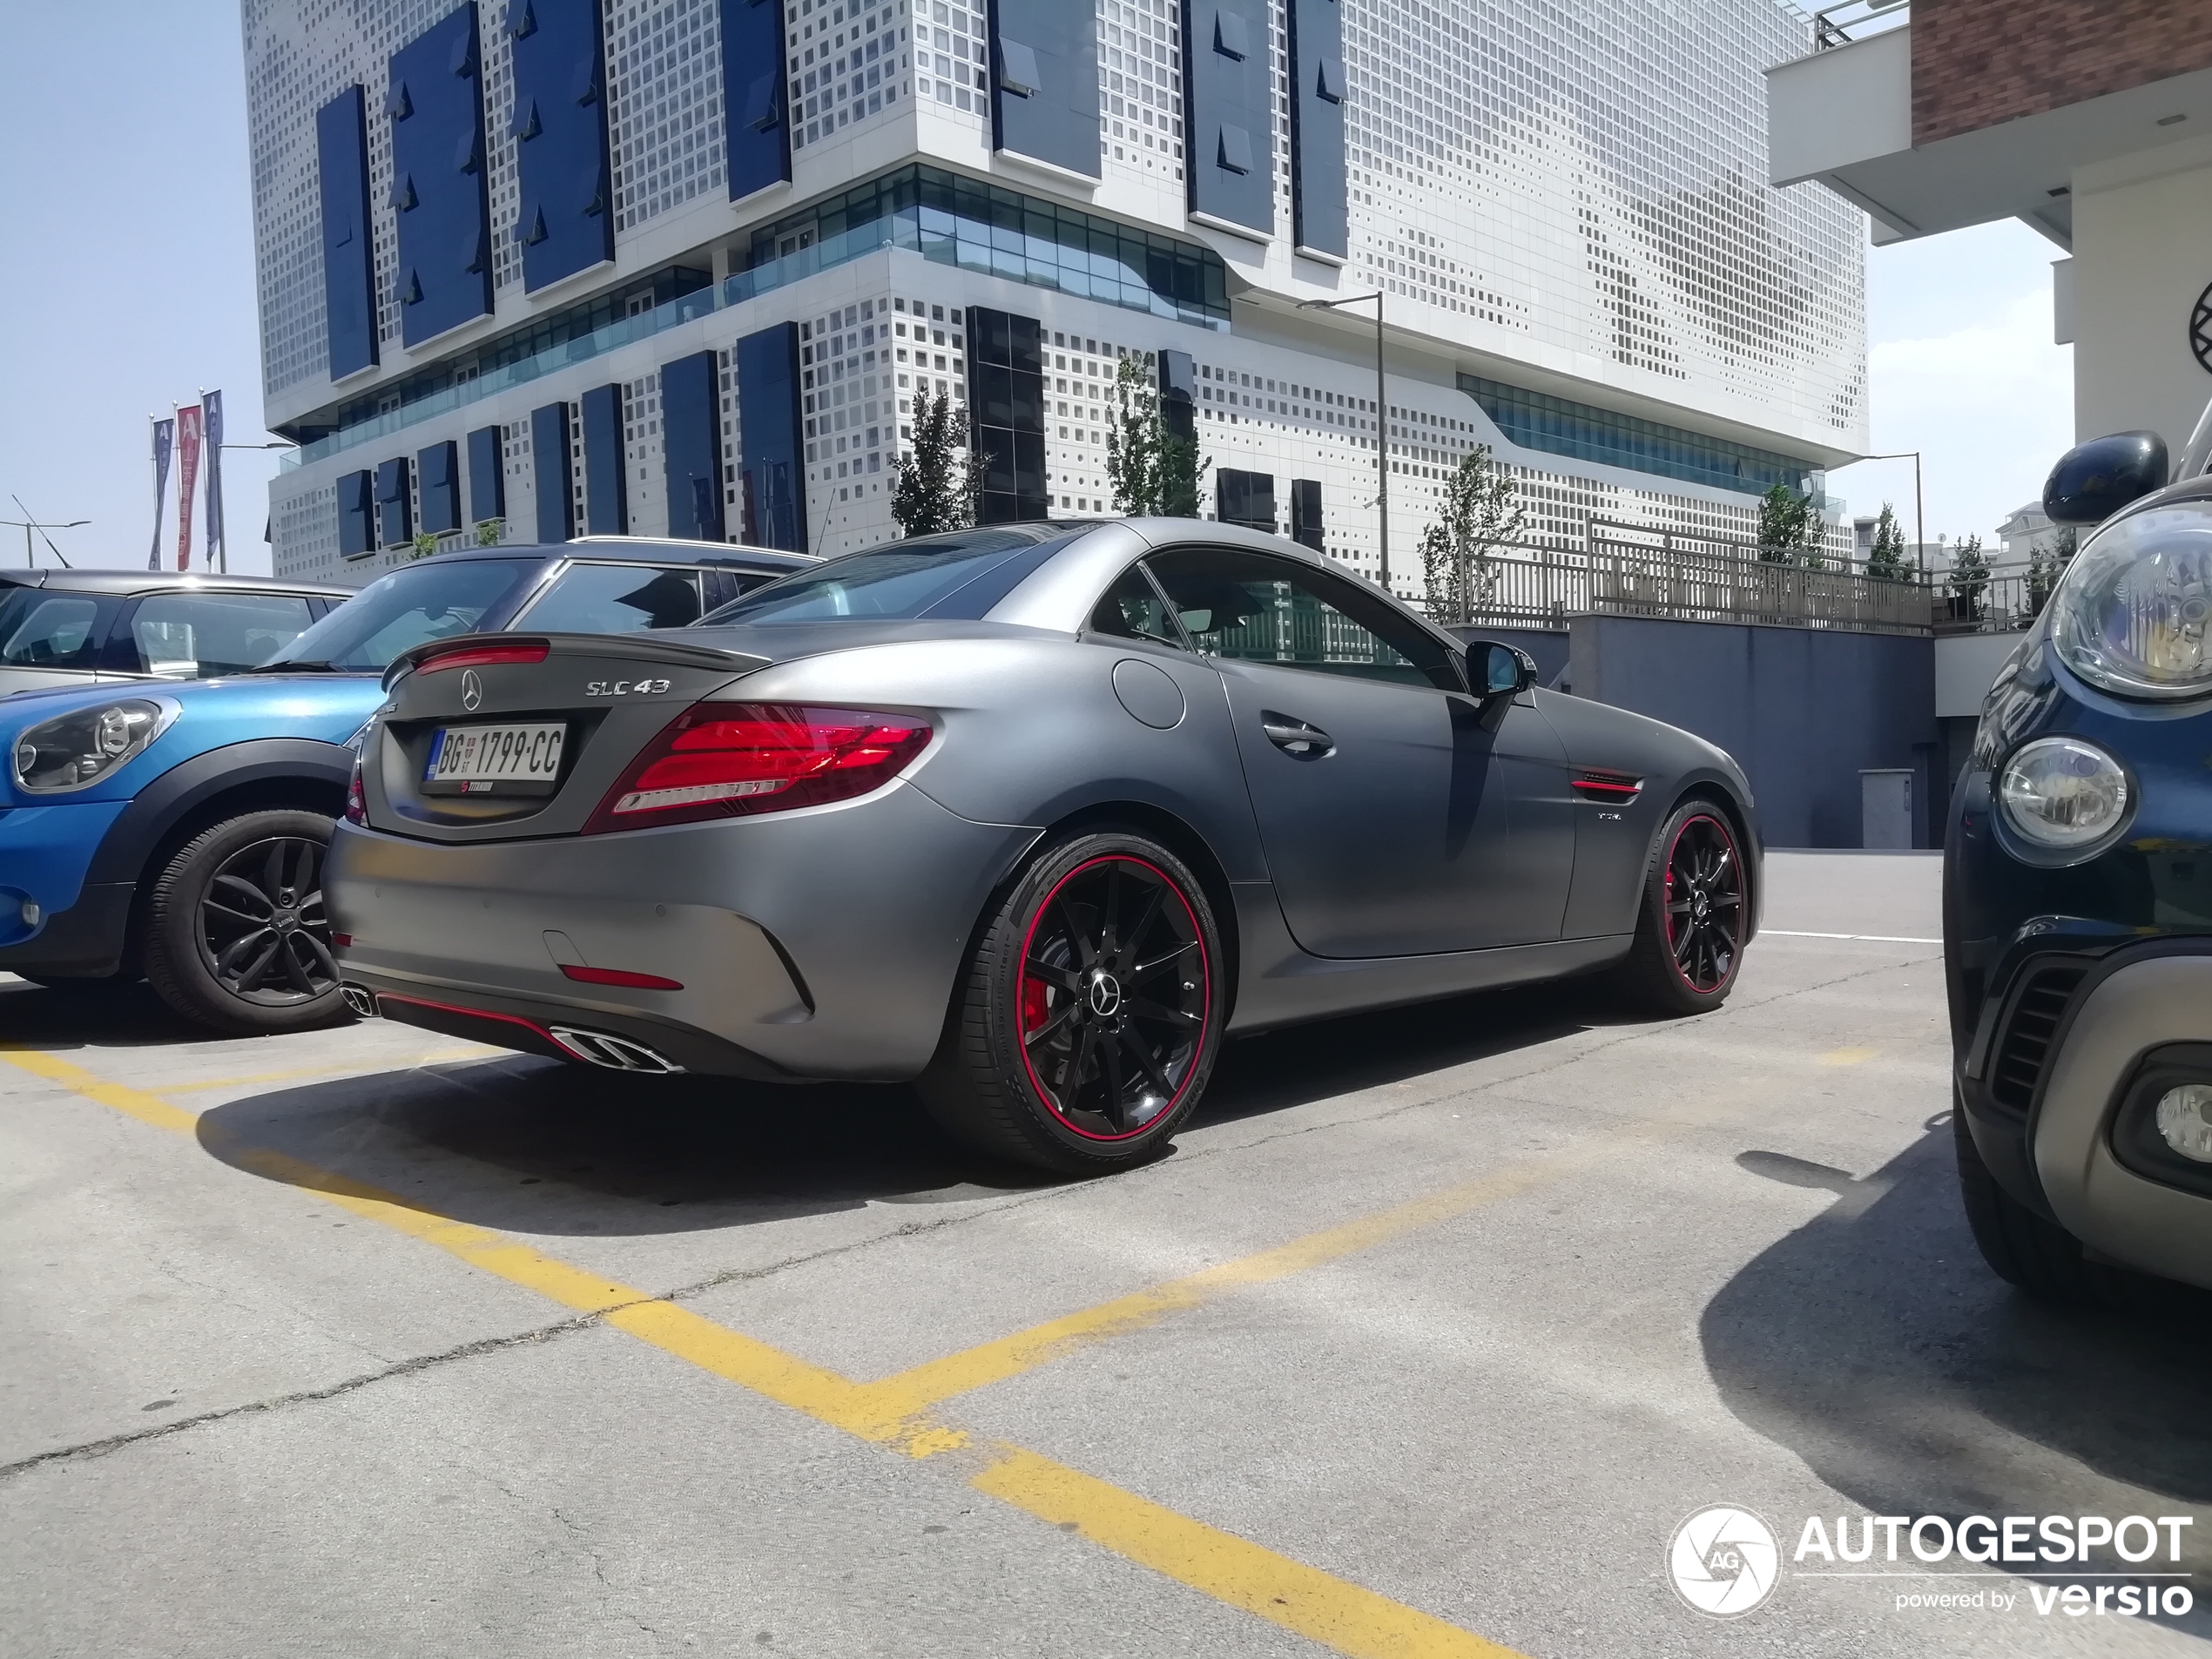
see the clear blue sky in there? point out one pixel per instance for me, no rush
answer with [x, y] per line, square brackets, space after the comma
[128, 285]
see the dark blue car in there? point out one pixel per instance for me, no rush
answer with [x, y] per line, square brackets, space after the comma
[2077, 896]
[174, 829]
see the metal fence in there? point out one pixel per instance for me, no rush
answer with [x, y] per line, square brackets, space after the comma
[1630, 570]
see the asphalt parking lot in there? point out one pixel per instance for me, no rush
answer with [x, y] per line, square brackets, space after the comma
[1431, 1332]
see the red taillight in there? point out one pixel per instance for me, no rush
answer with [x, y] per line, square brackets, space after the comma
[356, 803]
[620, 976]
[482, 657]
[729, 759]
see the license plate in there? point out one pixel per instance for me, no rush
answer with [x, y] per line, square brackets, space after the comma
[479, 759]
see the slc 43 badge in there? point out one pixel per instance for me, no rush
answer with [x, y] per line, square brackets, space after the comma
[626, 688]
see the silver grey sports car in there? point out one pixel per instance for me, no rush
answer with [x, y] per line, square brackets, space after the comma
[1036, 815]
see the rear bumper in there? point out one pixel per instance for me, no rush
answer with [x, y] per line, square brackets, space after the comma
[2158, 1222]
[812, 944]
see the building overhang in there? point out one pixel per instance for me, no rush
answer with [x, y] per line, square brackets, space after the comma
[1844, 118]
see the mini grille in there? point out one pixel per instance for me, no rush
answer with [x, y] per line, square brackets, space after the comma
[2024, 1048]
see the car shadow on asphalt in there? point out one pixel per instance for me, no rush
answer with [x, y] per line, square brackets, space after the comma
[1875, 1344]
[533, 1146]
[111, 1017]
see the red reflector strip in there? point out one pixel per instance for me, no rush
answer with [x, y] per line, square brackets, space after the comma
[621, 976]
[483, 657]
[342, 940]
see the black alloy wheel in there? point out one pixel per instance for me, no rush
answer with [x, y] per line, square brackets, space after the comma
[236, 935]
[1705, 900]
[263, 935]
[1113, 996]
[1694, 913]
[1086, 1026]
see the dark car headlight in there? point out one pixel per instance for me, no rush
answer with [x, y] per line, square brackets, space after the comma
[2063, 794]
[2134, 615]
[75, 750]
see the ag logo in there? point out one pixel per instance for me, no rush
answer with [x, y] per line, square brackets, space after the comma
[1723, 1561]
[472, 690]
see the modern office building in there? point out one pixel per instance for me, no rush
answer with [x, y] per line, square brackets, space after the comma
[551, 267]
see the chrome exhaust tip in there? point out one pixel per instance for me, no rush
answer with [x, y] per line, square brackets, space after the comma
[615, 1053]
[359, 1000]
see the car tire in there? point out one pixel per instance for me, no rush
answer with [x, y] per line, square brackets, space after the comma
[1053, 1057]
[1695, 910]
[2020, 1246]
[236, 936]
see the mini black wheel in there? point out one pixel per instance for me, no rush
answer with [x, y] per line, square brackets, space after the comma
[1696, 911]
[236, 937]
[1086, 1024]
[2021, 1247]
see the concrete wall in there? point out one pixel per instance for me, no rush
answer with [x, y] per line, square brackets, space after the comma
[1802, 709]
[2142, 253]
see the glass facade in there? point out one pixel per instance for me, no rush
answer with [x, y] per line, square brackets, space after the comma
[994, 231]
[1557, 426]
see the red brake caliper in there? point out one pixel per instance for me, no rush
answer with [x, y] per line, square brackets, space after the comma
[1034, 1009]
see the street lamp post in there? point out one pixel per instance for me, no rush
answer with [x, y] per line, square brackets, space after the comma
[1382, 422]
[1920, 523]
[28, 524]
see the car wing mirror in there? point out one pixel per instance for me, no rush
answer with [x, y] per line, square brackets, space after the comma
[2093, 481]
[1499, 670]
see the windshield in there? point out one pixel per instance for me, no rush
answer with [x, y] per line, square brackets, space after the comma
[420, 602]
[893, 583]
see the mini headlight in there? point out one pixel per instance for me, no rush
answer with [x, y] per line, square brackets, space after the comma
[2185, 1120]
[77, 750]
[2132, 613]
[2063, 793]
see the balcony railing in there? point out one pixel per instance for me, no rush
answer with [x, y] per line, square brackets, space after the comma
[1849, 20]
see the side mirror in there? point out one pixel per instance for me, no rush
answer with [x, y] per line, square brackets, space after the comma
[1499, 670]
[2093, 481]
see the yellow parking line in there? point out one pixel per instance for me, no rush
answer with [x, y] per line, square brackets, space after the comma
[1329, 1610]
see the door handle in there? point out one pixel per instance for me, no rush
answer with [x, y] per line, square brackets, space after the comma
[1294, 737]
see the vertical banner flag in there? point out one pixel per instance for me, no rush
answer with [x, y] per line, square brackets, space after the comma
[163, 433]
[188, 431]
[217, 554]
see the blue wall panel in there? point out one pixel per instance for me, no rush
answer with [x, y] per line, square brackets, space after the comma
[606, 478]
[437, 116]
[349, 270]
[394, 506]
[438, 475]
[1044, 102]
[487, 475]
[550, 472]
[754, 73]
[356, 515]
[1229, 142]
[773, 463]
[691, 432]
[559, 126]
[1318, 213]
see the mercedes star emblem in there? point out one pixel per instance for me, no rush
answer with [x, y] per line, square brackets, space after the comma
[472, 690]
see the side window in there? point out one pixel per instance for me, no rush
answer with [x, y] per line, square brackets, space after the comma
[1131, 609]
[41, 630]
[198, 636]
[615, 599]
[1260, 608]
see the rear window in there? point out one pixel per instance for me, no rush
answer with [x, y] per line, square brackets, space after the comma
[929, 576]
[43, 630]
[615, 599]
[415, 603]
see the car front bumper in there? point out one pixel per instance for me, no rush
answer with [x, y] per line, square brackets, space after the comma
[50, 920]
[2152, 1218]
[811, 944]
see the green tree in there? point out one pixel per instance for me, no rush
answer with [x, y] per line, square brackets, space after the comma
[1790, 527]
[935, 482]
[2046, 562]
[1479, 514]
[425, 543]
[1969, 577]
[1154, 472]
[1885, 558]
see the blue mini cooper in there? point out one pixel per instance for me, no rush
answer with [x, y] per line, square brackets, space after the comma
[173, 830]
[2077, 896]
